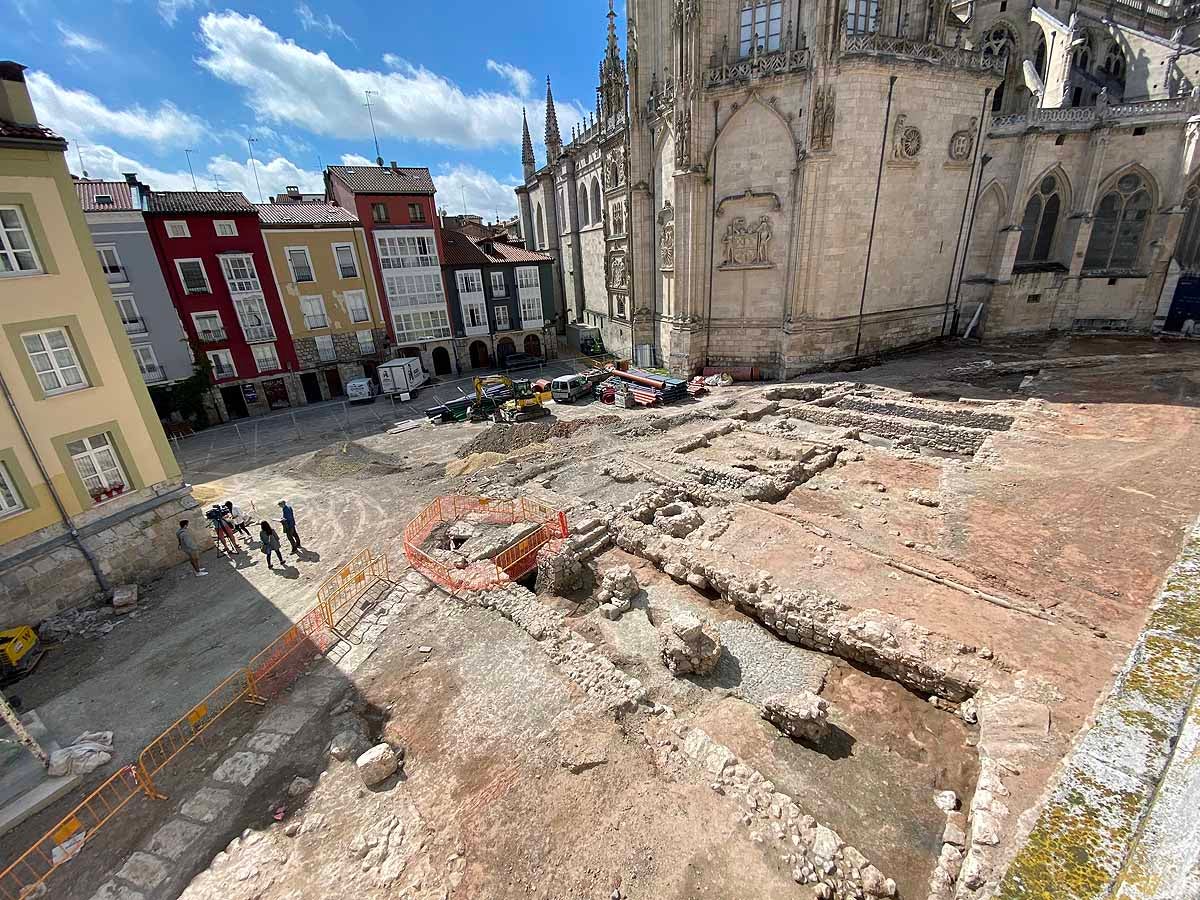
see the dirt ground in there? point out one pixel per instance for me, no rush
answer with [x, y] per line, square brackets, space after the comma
[1046, 547]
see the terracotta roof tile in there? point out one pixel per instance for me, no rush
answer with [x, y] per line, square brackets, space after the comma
[462, 250]
[200, 202]
[120, 197]
[384, 180]
[28, 132]
[304, 214]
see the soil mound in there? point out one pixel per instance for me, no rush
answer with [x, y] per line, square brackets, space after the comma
[349, 459]
[505, 438]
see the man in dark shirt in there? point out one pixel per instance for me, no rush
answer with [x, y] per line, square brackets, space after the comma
[288, 520]
[224, 531]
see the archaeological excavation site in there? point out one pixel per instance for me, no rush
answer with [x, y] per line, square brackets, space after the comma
[919, 632]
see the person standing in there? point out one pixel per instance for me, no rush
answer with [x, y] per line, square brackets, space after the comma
[289, 527]
[237, 518]
[270, 543]
[224, 531]
[188, 544]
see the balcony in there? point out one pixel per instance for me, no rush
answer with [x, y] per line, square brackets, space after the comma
[1084, 118]
[921, 51]
[116, 274]
[135, 325]
[212, 335]
[153, 374]
[220, 373]
[314, 322]
[258, 334]
[758, 65]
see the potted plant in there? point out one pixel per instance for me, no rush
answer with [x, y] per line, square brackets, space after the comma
[98, 496]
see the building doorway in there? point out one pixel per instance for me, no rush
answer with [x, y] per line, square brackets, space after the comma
[333, 378]
[312, 387]
[441, 361]
[504, 349]
[533, 345]
[479, 355]
[1185, 304]
[235, 403]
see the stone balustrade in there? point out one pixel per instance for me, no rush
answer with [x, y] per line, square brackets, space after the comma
[1176, 109]
[758, 65]
[921, 51]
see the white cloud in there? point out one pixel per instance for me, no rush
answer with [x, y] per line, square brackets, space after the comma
[521, 80]
[485, 195]
[220, 172]
[170, 9]
[287, 83]
[77, 114]
[78, 41]
[325, 24]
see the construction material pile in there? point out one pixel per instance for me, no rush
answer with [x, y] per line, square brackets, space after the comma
[638, 388]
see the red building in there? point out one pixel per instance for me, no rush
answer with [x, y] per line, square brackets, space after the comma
[396, 207]
[214, 259]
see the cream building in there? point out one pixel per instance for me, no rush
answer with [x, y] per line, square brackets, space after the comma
[321, 265]
[782, 185]
[89, 489]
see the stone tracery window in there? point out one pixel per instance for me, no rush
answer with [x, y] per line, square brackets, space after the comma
[1187, 250]
[760, 26]
[1119, 225]
[999, 42]
[1114, 62]
[584, 206]
[541, 227]
[1040, 222]
[597, 200]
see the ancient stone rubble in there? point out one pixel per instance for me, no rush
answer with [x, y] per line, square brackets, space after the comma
[617, 589]
[690, 646]
[377, 764]
[803, 716]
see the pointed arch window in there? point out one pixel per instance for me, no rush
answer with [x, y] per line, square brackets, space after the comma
[1114, 63]
[597, 216]
[1119, 225]
[541, 227]
[1040, 57]
[760, 26]
[583, 204]
[1040, 222]
[1187, 250]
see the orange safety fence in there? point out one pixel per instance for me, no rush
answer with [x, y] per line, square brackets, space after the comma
[67, 838]
[512, 563]
[262, 679]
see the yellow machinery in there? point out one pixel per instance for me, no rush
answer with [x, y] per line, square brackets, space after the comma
[508, 400]
[19, 652]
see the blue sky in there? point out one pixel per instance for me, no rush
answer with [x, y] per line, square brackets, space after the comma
[132, 84]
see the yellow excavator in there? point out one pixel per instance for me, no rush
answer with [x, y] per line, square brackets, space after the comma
[504, 399]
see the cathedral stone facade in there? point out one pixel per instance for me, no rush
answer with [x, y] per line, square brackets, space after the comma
[783, 185]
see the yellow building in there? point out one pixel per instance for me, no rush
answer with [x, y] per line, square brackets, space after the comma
[319, 258]
[89, 488]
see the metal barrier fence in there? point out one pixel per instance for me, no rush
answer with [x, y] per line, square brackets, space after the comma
[262, 679]
[511, 563]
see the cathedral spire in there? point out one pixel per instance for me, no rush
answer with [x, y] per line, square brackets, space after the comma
[614, 51]
[528, 163]
[553, 138]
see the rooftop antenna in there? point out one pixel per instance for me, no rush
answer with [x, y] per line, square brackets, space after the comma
[462, 193]
[79, 154]
[188, 154]
[250, 142]
[371, 116]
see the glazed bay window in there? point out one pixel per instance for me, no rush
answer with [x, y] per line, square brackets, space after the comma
[252, 316]
[192, 276]
[475, 317]
[404, 252]
[300, 265]
[346, 263]
[314, 312]
[422, 326]
[356, 305]
[501, 318]
[415, 289]
[10, 498]
[366, 342]
[499, 288]
[265, 357]
[240, 274]
[53, 359]
[16, 247]
[326, 352]
[96, 462]
[529, 290]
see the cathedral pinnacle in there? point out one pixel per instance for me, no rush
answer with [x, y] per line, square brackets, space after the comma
[553, 138]
[528, 163]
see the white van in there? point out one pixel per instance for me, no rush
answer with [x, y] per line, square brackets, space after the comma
[361, 390]
[566, 388]
[402, 376]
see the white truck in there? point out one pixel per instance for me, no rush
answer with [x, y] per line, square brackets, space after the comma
[401, 376]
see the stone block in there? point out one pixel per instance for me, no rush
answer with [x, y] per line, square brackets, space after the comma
[241, 767]
[377, 764]
[144, 871]
[207, 804]
[285, 719]
[110, 890]
[174, 838]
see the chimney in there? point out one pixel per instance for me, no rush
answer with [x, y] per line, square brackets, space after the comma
[15, 105]
[292, 190]
[394, 166]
